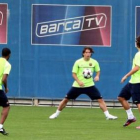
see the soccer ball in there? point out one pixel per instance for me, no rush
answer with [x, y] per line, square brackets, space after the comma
[87, 73]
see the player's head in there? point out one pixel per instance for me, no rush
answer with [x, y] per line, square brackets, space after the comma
[89, 49]
[6, 53]
[138, 42]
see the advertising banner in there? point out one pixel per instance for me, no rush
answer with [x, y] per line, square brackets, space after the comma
[3, 23]
[72, 25]
[137, 21]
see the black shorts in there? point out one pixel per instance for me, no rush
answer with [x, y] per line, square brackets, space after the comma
[92, 92]
[131, 90]
[3, 99]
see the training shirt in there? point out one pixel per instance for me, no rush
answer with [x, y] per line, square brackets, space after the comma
[135, 78]
[78, 68]
[5, 68]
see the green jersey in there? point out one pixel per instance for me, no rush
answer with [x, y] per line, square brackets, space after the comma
[5, 68]
[78, 68]
[135, 78]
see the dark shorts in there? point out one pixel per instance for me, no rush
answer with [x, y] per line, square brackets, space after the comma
[92, 92]
[3, 99]
[131, 90]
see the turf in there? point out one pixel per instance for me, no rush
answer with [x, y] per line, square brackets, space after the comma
[32, 123]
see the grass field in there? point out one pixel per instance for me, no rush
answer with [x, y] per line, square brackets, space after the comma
[32, 123]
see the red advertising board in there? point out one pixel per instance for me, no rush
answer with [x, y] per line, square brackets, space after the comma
[3, 23]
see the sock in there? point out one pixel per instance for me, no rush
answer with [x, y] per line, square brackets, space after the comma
[106, 113]
[1, 126]
[129, 114]
[57, 112]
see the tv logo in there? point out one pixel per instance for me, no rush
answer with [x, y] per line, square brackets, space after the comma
[70, 25]
[1, 18]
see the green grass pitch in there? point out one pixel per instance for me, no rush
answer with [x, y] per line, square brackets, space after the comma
[32, 123]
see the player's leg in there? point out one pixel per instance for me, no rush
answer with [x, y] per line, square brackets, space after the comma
[5, 111]
[123, 98]
[138, 105]
[72, 94]
[136, 96]
[124, 103]
[62, 104]
[94, 93]
[102, 105]
[4, 114]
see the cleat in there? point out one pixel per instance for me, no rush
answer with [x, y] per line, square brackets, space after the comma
[2, 131]
[111, 117]
[129, 121]
[53, 116]
[138, 127]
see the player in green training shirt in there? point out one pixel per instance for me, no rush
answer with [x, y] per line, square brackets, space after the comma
[5, 68]
[82, 85]
[132, 88]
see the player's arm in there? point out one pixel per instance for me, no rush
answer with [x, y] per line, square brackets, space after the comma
[97, 76]
[135, 69]
[74, 74]
[81, 84]
[4, 81]
[97, 70]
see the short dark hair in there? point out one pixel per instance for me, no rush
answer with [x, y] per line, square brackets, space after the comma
[87, 48]
[138, 41]
[6, 52]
